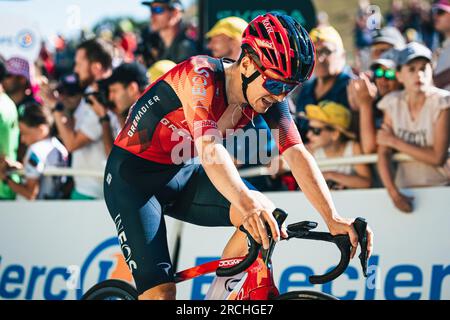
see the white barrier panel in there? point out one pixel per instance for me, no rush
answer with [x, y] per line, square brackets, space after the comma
[57, 250]
[412, 251]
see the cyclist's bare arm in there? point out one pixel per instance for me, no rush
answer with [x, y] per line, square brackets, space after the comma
[223, 174]
[311, 181]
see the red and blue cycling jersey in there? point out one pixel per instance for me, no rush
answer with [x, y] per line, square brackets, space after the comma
[186, 102]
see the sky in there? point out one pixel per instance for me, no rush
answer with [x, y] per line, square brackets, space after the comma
[69, 16]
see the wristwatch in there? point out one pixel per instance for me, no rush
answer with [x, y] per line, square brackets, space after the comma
[104, 118]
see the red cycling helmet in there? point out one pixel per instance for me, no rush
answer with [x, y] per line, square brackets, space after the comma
[281, 44]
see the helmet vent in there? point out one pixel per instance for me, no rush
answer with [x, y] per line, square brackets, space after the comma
[264, 31]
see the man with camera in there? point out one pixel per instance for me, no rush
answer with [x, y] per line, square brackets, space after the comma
[118, 93]
[81, 133]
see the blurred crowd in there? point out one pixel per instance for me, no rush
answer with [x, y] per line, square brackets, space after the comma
[65, 109]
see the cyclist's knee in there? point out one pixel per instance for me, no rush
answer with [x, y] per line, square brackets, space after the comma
[165, 291]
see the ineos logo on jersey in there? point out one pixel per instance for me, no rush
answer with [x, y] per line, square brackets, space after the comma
[229, 263]
[140, 113]
[199, 83]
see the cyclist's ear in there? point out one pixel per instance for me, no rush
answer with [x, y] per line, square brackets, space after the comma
[246, 66]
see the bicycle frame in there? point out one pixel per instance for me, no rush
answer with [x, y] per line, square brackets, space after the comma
[256, 284]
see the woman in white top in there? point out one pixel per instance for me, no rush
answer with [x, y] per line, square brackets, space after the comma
[43, 151]
[329, 138]
[416, 122]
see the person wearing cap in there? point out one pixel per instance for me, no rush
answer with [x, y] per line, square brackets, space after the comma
[441, 15]
[330, 76]
[329, 137]
[385, 39]
[365, 92]
[17, 82]
[159, 68]
[416, 123]
[166, 20]
[9, 133]
[224, 38]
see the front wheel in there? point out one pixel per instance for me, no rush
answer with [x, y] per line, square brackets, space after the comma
[111, 290]
[305, 295]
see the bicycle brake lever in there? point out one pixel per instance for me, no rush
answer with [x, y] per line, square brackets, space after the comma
[360, 226]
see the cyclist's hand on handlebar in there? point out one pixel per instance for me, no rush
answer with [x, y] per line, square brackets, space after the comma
[254, 222]
[344, 226]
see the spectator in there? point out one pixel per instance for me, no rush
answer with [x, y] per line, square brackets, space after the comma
[441, 13]
[70, 93]
[166, 20]
[330, 77]
[9, 132]
[385, 39]
[17, 83]
[82, 132]
[126, 84]
[43, 151]
[416, 122]
[224, 38]
[362, 37]
[329, 137]
[364, 95]
[158, 69]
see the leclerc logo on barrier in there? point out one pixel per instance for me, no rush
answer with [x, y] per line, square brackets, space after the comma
[55, 283]
[389, 290]
[104, 262]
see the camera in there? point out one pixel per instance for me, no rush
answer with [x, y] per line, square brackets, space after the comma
[101, 95]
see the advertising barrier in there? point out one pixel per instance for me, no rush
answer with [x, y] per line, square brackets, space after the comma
[57, 250]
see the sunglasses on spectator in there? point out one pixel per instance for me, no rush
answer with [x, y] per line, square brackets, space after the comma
[317, 131]
[158, 9]
[388, 74]
[439, 11]
[274, 86]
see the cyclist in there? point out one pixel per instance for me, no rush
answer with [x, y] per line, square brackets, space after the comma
[150, 171]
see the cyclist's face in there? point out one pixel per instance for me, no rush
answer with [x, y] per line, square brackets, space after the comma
[258, 96]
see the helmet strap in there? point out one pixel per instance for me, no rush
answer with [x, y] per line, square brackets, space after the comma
[246, 81]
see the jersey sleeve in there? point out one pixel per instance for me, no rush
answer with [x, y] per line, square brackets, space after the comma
[196, 89]
[282, 126]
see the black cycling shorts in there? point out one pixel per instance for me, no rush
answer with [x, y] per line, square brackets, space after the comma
[138, 193]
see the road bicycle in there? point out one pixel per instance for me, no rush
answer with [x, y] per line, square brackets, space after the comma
[255, 270]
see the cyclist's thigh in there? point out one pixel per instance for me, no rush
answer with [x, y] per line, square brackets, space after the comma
[201, 203]
[139, 220]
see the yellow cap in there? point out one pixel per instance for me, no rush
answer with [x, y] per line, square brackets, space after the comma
[232, 27]
[331, 113]
[327, 34]
[159, 68]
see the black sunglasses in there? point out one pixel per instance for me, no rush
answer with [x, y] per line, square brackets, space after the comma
[317, 131]
[439, 11]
